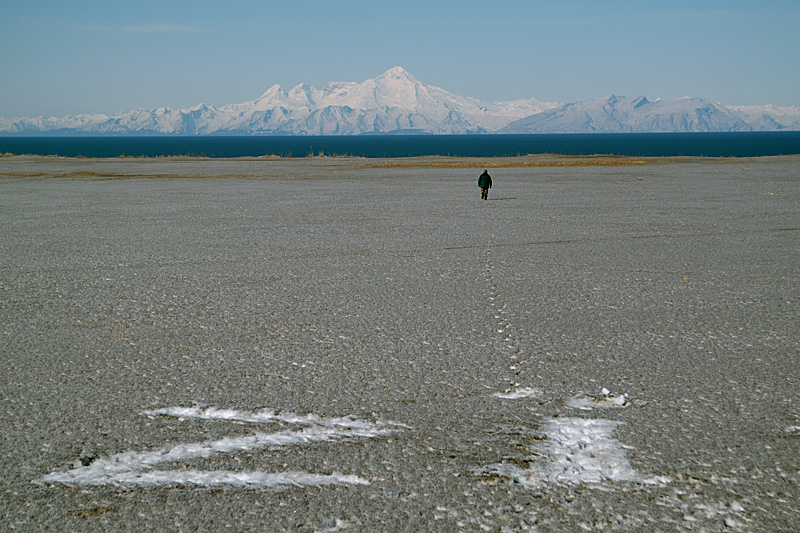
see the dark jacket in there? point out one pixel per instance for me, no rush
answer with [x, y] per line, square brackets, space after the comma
[485, 181]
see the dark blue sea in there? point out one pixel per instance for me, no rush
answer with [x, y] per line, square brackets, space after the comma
[744, 144]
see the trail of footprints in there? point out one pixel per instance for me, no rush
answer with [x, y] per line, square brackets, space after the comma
[502, 324]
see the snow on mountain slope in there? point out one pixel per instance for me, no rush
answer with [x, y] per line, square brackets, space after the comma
[394, 101]
[619, 114]
[770, 117]
[397, 102]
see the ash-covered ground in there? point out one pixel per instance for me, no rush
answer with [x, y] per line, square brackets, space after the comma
[331, 344]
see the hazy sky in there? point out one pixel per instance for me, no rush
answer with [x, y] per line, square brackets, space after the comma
[103, 56]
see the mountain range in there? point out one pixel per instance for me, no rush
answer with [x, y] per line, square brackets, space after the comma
[396, 102]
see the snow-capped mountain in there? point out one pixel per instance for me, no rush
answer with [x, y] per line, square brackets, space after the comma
[619, 114]
[394, 102]
[397, 102]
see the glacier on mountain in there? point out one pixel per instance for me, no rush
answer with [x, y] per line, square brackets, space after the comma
[397, 102]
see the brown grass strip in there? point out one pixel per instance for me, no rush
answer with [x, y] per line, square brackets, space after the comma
[548, 161]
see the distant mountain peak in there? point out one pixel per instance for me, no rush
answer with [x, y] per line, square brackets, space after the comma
[397, 73]
[271, 93]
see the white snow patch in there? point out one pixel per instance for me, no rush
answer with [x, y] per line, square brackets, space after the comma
[525, 392]
[793, 430]
[136, 468]
[604, 400]
[577, 451]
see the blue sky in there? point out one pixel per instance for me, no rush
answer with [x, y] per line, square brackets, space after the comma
[104, 56]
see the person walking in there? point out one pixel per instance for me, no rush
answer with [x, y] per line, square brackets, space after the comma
[485, 183]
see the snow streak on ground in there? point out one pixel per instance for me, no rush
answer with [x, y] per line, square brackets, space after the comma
[136, 468]
[266, 415]
[524, 392]
[577, 451]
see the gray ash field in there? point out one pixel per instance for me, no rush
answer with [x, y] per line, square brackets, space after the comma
[330, 344]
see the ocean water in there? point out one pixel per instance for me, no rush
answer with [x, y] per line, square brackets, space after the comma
[740, 144]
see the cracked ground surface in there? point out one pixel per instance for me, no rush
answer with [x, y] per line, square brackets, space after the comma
[594, 347]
